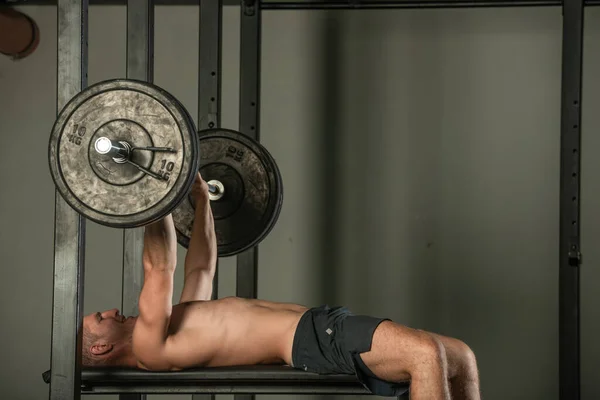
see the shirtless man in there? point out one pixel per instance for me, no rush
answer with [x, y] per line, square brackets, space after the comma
[200, 332]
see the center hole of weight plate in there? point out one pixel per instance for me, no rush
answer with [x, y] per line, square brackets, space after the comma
[105, 167]
[233, 187]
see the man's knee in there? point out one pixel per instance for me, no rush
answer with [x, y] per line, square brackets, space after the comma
[399, 352]
[468, 358]
[428, 354]
[431, 349]
[465, 362]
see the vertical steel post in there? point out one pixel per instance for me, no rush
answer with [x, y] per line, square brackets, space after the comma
[570, 158]
[250, 46]
[209, 88]
[250, 42]
[140, 66]
[209, 64]
[69, 226]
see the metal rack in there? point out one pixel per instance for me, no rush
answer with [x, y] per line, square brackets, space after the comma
[69, 381]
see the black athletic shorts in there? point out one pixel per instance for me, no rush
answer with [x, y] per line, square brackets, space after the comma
[328, 340]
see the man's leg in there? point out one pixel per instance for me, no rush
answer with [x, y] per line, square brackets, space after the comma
[399, 353]
[462, 369]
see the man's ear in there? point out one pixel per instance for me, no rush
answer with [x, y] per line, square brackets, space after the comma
[99, 349]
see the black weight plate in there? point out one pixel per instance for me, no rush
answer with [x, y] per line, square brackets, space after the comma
[275, 215]
[253, 197]
[119, 195]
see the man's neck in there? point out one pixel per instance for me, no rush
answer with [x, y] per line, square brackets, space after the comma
[127, 358]
[130, 361]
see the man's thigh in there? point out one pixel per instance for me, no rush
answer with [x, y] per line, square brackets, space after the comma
[398, 350]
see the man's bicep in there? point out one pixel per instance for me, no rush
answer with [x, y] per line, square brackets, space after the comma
[156, 305]
[156, 297]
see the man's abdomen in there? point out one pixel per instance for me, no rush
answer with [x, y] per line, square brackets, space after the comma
[234, 331]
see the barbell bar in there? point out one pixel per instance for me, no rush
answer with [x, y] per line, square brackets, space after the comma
[121, 151]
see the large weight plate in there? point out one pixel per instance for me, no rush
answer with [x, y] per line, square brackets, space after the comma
[120, 195]
[253, 197]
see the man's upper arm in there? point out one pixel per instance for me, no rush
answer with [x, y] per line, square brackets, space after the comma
[197, 285]
[151, 330]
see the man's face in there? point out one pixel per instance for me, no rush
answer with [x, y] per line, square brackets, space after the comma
[109, 325]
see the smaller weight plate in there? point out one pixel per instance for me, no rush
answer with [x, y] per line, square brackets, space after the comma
[253, 197]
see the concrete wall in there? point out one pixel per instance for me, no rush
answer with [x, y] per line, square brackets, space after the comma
[420, 155]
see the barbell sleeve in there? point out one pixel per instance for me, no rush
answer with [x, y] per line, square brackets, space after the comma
[216, 189]
[104, 145]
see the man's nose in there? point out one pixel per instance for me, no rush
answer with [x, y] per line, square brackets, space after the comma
[110, 313]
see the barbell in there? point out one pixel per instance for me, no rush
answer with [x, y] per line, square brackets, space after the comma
[124, 153]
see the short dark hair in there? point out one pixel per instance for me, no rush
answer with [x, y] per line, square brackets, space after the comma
[87, 358]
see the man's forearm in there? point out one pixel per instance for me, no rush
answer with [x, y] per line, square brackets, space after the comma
[202, 249]
[160, 245]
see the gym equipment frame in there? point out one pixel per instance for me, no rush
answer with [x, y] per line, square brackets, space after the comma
[68, 380]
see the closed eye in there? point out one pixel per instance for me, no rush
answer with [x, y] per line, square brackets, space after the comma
[99, 316]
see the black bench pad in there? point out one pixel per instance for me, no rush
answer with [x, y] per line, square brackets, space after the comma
[256, 379]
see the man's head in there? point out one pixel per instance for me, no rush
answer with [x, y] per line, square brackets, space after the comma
[107, 339]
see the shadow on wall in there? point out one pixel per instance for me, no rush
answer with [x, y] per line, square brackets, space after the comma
[331, 136]
[431, 123]
[359, 244]
[380, 166]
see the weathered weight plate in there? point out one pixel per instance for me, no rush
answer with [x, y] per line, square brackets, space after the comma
[253, 197]
[120, 195]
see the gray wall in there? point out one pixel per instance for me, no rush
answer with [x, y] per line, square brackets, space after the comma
[451, 116]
